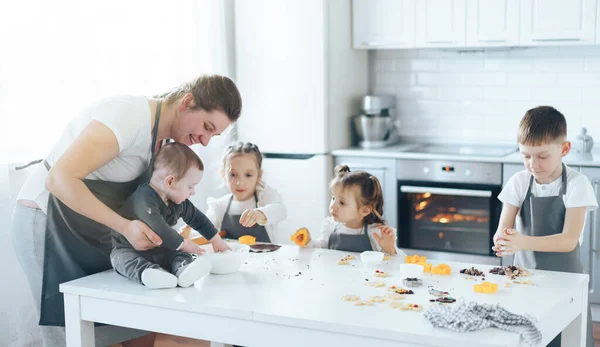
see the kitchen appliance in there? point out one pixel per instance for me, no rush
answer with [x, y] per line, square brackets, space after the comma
[300, 80]
[377, 126]
[584, 141]
[450, 209]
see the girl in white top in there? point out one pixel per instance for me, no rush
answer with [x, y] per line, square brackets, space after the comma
[356, 224]
[251, 208]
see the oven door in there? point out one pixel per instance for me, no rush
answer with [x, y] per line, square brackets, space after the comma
[448, 217]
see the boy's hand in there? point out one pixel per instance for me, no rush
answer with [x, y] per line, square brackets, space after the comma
[251, 217]
[190, 247]
[387, 240]
[509, 242]
[218, 244]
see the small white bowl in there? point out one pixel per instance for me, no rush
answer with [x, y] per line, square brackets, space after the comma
[371, 258]
[228, 262]
[411, 270]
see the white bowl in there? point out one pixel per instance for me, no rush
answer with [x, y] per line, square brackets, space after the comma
[228, 262]
[411, 270]
[371, 258]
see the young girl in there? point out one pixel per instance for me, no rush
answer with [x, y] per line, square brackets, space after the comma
[356, 224]
[251, 208]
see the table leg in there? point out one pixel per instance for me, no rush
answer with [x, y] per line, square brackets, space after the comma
[79, 333]
[575, 334]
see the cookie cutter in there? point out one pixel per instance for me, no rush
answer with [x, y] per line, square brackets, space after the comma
[412, 282]
[438, 293]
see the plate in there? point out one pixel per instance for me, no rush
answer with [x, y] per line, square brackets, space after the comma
[264, 247]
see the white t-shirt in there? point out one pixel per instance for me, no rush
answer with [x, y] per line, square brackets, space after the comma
[269, 203]
[129, 119]
[329, 225]
[579, 190]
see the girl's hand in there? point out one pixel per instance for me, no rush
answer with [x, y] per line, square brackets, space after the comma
[251, 217]
[509, 242]
[218, 244]
[190, 247]
[141, 237]
[387, 240]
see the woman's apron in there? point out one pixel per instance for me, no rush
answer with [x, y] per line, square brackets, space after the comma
[231, 224]
[76, 246]
[350, 243]
[545, 216]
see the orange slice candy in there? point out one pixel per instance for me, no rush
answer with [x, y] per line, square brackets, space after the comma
[300, 237]
[486, 287]
[441, 269]
[247, 240]
[415, 259]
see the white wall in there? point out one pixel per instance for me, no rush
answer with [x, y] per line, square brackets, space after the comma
[481, 96]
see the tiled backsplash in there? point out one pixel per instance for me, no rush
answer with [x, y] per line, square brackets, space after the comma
[480, 96]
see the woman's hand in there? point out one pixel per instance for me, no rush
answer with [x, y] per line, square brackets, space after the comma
[251, 217]
[141, 237]
[190, 246]
[387, 240]
[218, 244]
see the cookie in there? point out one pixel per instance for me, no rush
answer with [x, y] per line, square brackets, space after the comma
[374, 284]
[380, 274]
[387, 257]
[377, 299]
[349, 257]
[363, 303]
[395, 304]
[394, 296]
[343, 261]
[350, 297]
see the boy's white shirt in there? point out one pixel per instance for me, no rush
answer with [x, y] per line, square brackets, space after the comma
[579, 191]
[329, 225]
[269, 203]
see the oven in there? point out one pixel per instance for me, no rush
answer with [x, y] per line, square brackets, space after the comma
[449, 210]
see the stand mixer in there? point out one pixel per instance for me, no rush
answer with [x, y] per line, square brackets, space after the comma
[377, 127]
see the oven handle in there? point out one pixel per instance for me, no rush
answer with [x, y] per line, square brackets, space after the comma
[447, 191]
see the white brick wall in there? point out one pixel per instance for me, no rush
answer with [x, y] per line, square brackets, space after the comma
[482, 95]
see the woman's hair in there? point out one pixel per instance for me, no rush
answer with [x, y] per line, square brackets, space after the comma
[210, 92]
[242, 148]
[177, 159]
[370, 190]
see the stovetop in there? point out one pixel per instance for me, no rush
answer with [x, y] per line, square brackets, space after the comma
[466, 150]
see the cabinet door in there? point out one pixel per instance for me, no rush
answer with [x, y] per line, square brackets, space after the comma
[381, 24]
[590, 256]
[508, 170]
[492, 23]
[441, 23]
[385, 171]
[557, 22]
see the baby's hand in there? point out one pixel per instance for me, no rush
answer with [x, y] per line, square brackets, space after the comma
[387, 240]
[190, 247]
[251, 217]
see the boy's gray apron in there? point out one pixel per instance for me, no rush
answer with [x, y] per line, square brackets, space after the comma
[350, 243]
[231, 224]
[544, 216]
[77, 246]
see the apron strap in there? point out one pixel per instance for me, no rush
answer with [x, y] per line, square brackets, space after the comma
[33, 162]
[155, 133]
[564, 179]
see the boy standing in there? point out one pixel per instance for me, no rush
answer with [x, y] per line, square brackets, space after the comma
[548, 200]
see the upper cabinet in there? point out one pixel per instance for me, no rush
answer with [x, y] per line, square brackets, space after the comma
[551, 22]
[474, 23]
[492, 23]
[380, 24]
[441, 23]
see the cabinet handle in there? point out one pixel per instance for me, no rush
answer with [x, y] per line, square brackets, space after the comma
[492, 41]
[441, 41]
[566, 39]
[592, 247]
[356, 166]
[379, 43]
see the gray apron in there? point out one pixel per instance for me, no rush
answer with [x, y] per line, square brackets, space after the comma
[76, 246]
[544, 216]
[350, 243]
[231, 224]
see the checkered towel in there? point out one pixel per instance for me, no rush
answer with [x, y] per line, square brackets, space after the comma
[462, 316]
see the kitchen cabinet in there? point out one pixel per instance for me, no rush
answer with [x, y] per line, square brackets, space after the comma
[508, 170]
[383, 24]
[441, 23]
[557, 22]
[589, 248]
[492, 23]
[385, 171]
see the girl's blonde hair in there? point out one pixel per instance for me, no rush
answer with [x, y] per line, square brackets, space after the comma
[370, 195]
[242, 148]
[210, 92]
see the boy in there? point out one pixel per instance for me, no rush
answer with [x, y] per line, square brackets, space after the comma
[548, 200]
[159, 204]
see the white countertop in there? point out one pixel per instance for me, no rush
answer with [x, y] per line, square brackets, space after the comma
[298, 287]
[403, 151]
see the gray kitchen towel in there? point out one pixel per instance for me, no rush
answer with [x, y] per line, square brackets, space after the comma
[464, 316]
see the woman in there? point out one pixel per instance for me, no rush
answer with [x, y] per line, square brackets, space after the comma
[66, 209]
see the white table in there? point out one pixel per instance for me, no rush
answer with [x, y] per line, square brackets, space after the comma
[292, 297]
